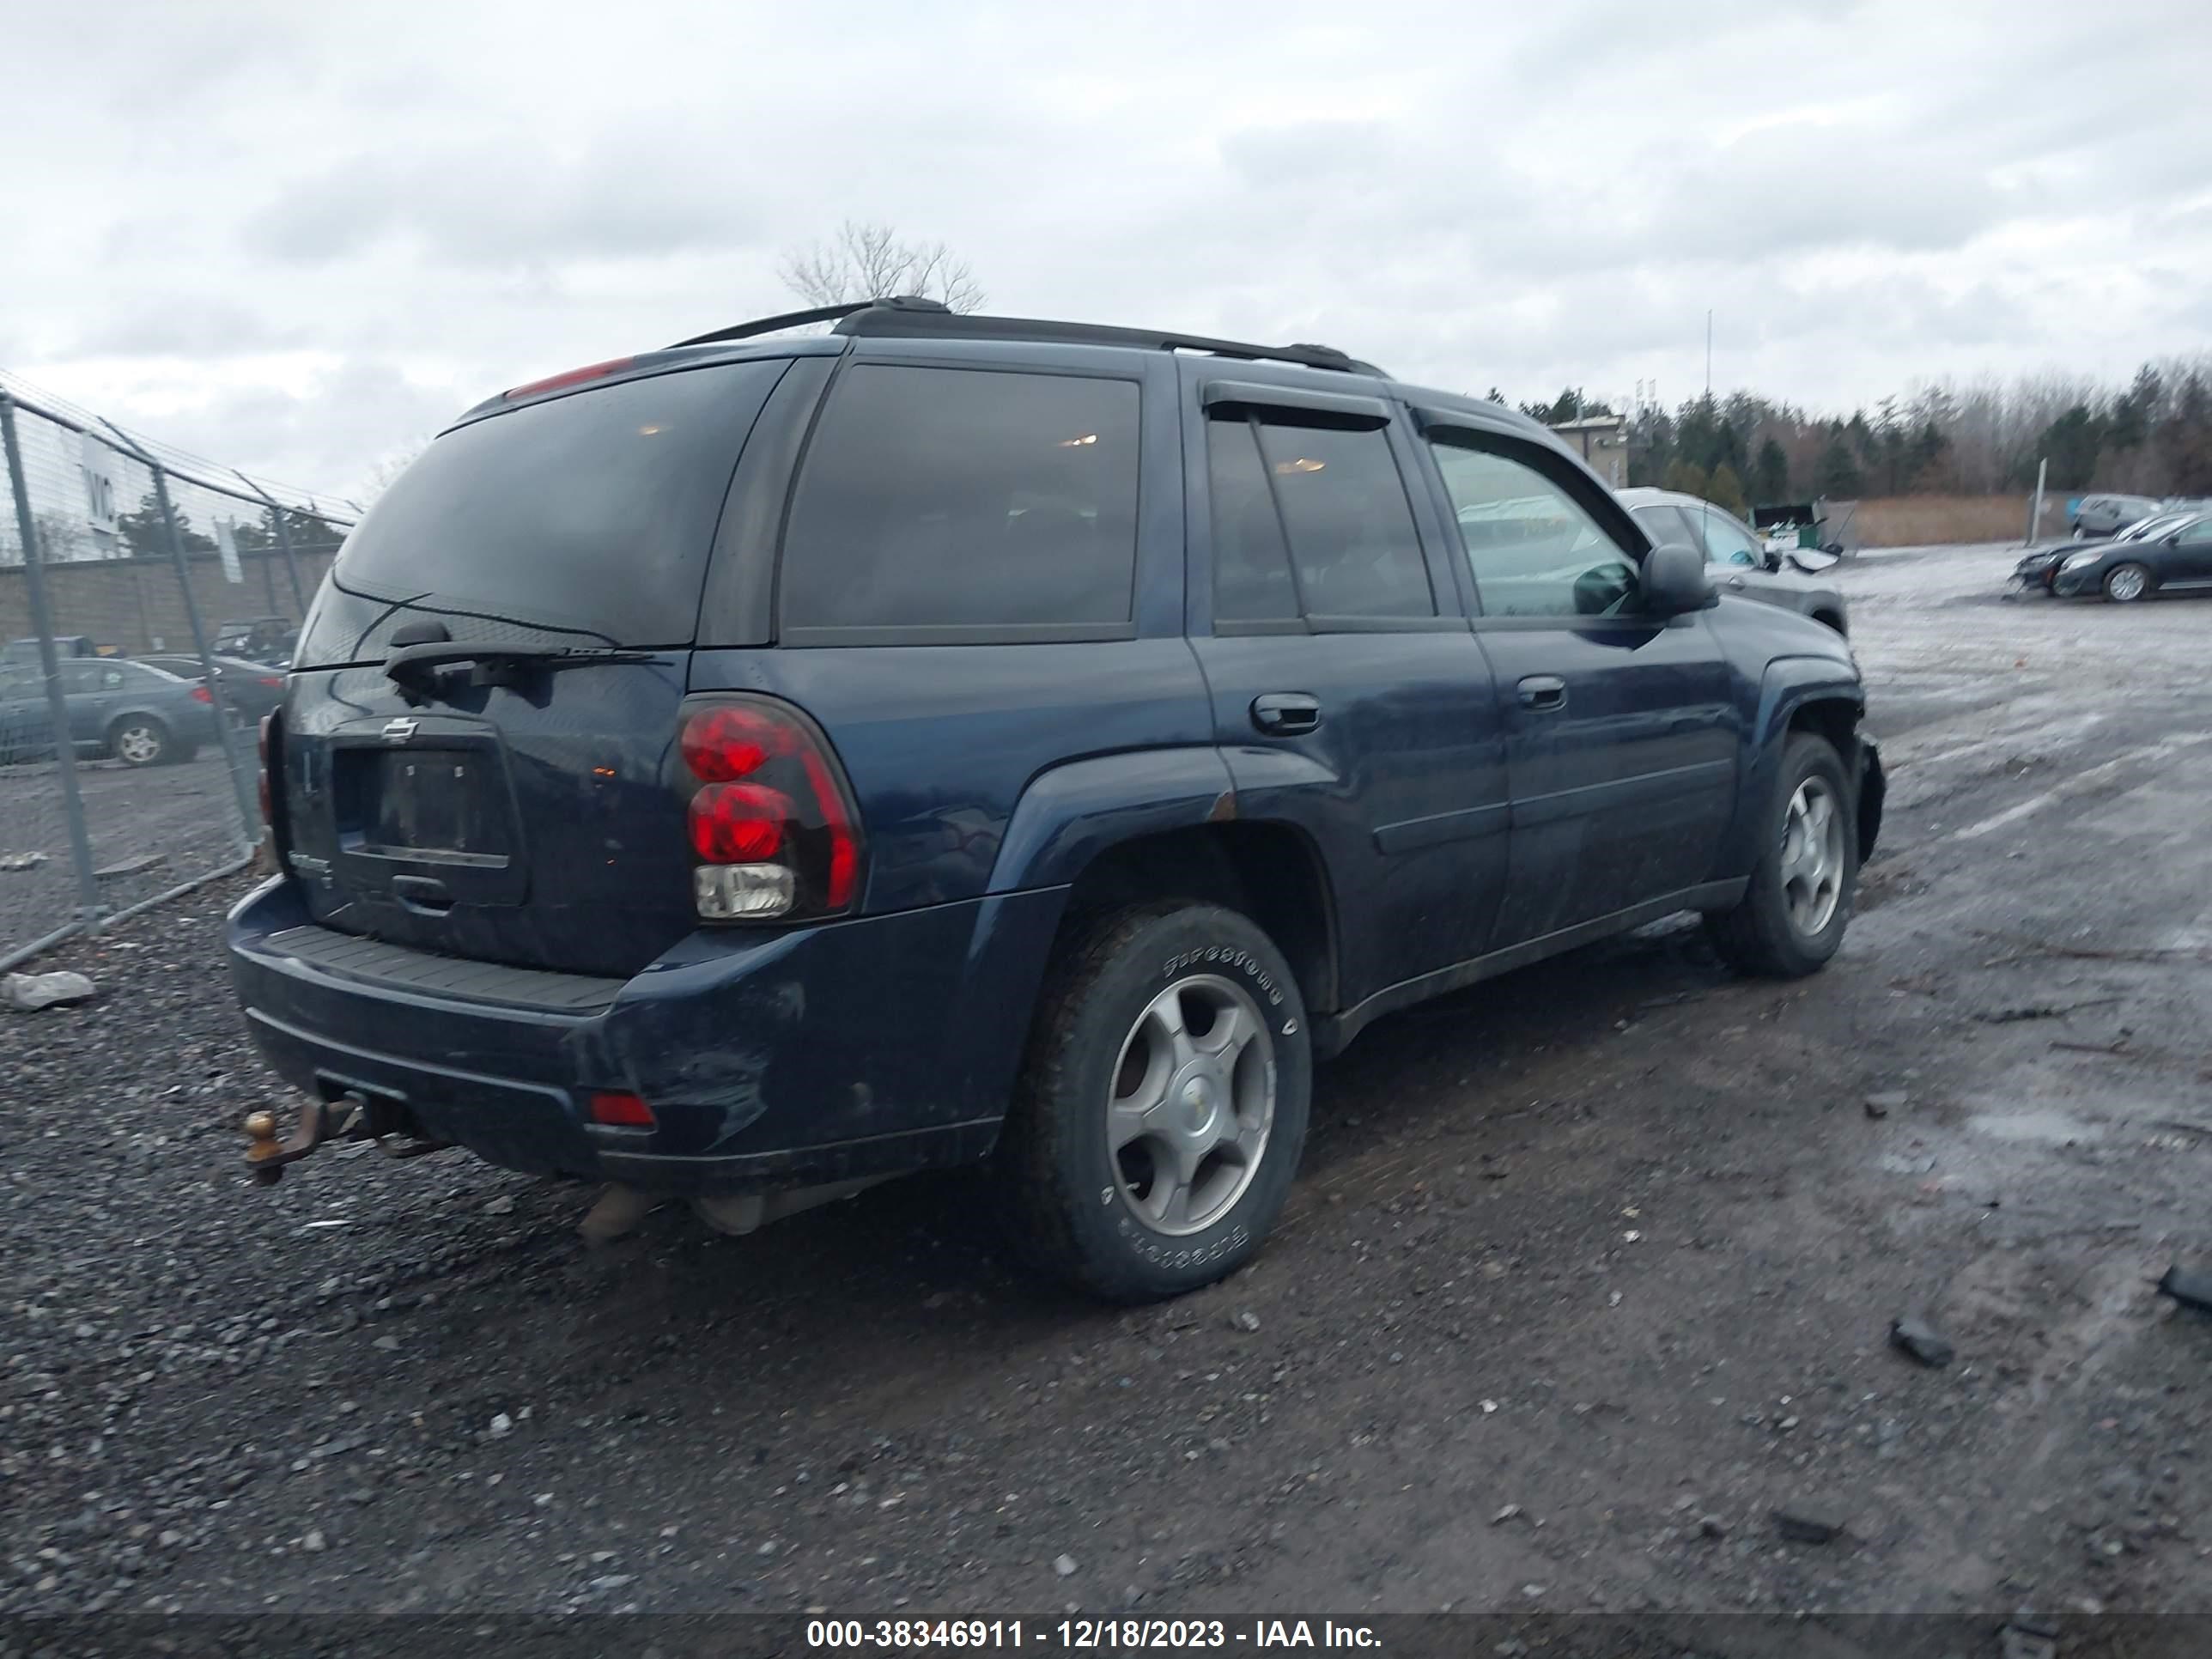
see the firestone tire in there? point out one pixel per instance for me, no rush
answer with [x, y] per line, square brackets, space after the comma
[1791, 918]
[1145, 1005]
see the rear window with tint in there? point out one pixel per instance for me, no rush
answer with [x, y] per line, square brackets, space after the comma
[585, 520]
[966, 501]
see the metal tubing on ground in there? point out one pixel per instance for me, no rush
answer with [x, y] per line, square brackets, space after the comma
[23, 953]
[42, 623]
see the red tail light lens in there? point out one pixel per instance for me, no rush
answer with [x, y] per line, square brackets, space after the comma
[201, 694]
[739, 823]
[771, 823]
[274, 682]
[624, 1111]
[722, 745]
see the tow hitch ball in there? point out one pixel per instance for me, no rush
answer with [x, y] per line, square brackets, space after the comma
[346, 1118]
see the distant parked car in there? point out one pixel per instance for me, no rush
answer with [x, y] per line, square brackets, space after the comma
[134, 713]
[2175, 559]
[1742, 563]
[2106, 515]
[2039, 568]
[259, 639]
[248, 689]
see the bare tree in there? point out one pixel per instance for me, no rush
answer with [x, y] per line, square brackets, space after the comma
[869, 261]
[393, 463]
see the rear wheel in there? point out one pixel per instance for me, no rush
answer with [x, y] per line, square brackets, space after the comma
[1163, 1106]
[139, 740]
[1792, 917]
[2126, 583]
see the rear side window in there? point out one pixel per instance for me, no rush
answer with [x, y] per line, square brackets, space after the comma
[585, 520]
[1251, 561]
[1326, 500]
[959, 500]
[1350, 525]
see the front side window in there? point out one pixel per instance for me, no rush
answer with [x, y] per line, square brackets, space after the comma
[2197, 534]
[1532, 550]
[962, 498]
[1726, 541]
[1663, 523]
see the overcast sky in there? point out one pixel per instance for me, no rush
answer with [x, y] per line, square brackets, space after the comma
[296, 238]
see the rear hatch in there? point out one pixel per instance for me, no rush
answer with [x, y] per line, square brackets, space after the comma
[515, 807]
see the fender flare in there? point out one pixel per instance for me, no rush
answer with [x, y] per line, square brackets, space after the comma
[1070, 814]
[1788, 684]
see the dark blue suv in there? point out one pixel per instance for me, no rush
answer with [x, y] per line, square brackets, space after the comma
[761, 767]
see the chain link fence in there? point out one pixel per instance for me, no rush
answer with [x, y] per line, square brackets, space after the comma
[148, 604]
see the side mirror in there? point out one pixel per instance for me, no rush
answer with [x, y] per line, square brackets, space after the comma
[1676, 581]
[1771, 560]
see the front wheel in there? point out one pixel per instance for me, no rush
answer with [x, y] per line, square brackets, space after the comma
[2126, 583]
[1792, 917]
[1162, 1105]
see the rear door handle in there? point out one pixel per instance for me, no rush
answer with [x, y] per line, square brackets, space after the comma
[1543, 691]
[423, 894]
[1285, 713]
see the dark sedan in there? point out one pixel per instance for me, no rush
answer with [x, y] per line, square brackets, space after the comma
[248, 689]
[2039, 568]
[2174, 558]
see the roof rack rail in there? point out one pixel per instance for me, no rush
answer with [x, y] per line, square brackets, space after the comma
[872, 320]
[909, 316]
[904, 302]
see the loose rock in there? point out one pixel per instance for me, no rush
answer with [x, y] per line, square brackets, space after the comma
[1922, 1341]
[1800, 1527]
[31, 991]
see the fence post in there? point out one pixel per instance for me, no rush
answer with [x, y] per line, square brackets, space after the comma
[284, 545]
[249, 807]
[2035, 513]
[42, 623]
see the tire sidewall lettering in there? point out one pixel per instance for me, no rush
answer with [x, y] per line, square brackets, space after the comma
[1229, 957]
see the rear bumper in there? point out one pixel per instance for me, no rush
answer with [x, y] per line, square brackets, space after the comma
[859, 1048]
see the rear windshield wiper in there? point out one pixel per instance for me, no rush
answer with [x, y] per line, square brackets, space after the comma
[497, 663]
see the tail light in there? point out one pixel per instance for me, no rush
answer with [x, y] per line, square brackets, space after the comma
[269, 745]
[773, 836]
[621, 1109]
[274, 682]
[201, 694]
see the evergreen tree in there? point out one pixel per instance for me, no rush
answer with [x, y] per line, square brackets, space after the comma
[1770, 473]
[1726, 490]
[1839, 477]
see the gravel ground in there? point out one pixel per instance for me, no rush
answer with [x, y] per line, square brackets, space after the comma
[188, 815]
[1590, 1272]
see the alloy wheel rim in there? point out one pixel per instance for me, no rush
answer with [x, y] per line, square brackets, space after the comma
[136, 744]
[1812, 857]
[2127, 584]
[1191, 1105]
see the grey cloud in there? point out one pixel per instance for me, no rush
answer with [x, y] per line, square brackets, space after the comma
[500, 204]
[185, 326]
